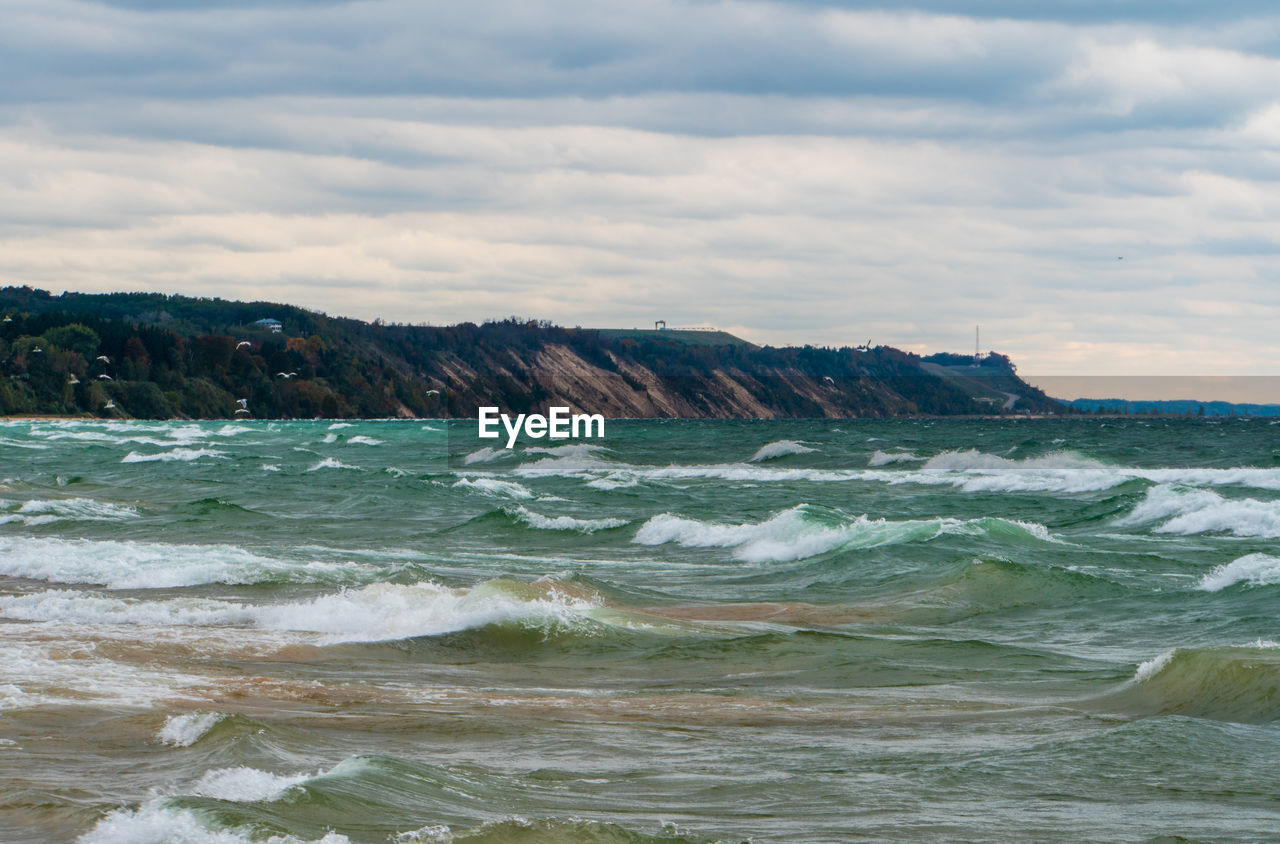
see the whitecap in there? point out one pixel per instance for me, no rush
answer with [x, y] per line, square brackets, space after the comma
[1251, 569]
[495, 487]
[541, 522]
[184, 455]
[331, 463]
[779, 448]
[187, 729]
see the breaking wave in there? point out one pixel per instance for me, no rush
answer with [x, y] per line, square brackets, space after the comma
[495, 487]
[1222, 683]
[804, 531]
[183, 455]
[780, 448]
[1251, 569]
[187, 729]
[142, 565]
[541, 522]
[1193, 511]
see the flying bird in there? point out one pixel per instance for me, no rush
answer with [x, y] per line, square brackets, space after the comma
[285, 375]
[243, 343]
[105, 377]
[242, 402]
[110, 405]
[241, 410]
[73, 379]
[433, 392]
[104, 358]
[36, 349]
[829, 379]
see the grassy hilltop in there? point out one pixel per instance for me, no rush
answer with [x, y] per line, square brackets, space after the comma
[153, 356]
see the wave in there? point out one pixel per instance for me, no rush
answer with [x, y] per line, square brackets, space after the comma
[332, 463]
[1195, 511]
[885, 458]
[157, 823]
[184, 455]
[374, 613]
[779, 448]
[187, 729]
[39, 512]
[805, 531]
[485, 455]
[244, 785]
[541, 522]
[363, 440]
[1251, 569]
[495, 487]
[122, 564]
[571, 450]
[1240, 683]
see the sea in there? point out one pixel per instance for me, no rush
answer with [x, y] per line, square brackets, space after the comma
[683, 631]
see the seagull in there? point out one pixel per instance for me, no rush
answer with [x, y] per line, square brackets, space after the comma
[105, 377]
[73, 379]
[104, 358]
[36, 349]
[829, 379]
[243, 403]
[433, 392]
[285, 375]
[110, 405]
[241, 410]
[7, 318]
[243, 343]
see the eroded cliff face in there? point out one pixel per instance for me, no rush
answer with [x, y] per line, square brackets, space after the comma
[557, 375]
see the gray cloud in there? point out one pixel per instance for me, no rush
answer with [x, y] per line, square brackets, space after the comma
[800, 172]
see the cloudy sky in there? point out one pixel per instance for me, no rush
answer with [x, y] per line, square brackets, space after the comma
[1096, 182]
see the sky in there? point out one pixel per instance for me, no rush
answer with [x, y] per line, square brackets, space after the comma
[1096, 183]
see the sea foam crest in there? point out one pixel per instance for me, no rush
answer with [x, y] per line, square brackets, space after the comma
[187, 729]
[1251, 569]
[885, 458]
[495, 487]
[779, 448]
[541, 522]
[39, 512]
[182, 455]
[157, 823]
[331, 463]
[121, 564]
[244, 785]
[378, 612]
[795, 534]
[1192, 511]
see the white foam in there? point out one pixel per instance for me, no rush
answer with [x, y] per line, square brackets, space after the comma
[780, 448]
[244, 785]
[39, 511]
[339, 425]
[571, 450]
[1153, 666]
[378, 612]
[1195, 511]
[330, 439]
[187, 729]
[156, 823]
[121, 564]
[363, 440]
[484, 455]
[1251, 569]
[495, 487]
[331, 463]
[184, 455]
[541, 522]
[793, 534]
[885, 458]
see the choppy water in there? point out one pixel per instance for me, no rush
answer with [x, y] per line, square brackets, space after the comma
[693, 631]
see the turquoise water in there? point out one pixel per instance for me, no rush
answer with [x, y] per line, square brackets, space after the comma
[686, 631]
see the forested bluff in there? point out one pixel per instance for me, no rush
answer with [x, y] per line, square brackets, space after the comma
[152, 356]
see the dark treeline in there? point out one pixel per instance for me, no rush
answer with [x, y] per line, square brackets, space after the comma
[155, 356]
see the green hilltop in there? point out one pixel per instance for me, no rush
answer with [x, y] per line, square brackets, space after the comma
[147, 355]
